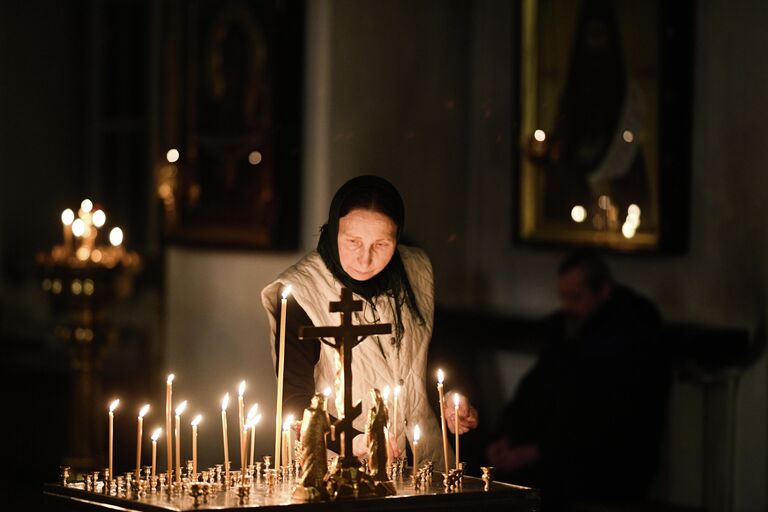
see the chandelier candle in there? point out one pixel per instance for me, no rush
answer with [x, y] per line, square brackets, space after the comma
[139, 430]
[440, 379]
[224, 404]
[280, 375]
[250, 422]
[456, 424]
[241, 420]
[416, 437]
[168, 431]
[195, 423]
[155, 437]
[112, 408]
[179, 412]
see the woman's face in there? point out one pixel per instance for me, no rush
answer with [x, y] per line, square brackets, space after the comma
[367, 241]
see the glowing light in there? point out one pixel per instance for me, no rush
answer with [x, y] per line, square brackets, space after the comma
[456, 399]
[116, 236]
[86, 206]
[114, 405]
[288, 422]
[56, 286]
[96, 255]
[287, 291]
[99, 218]
[252, 411]
[172, 155]
[254, 158]
[628, 230]
[628, 136]
[180, 409]
[88, 287]
[633, 211]
[144, 410]
[385, 393]
[78, 227]
[540, 135]
[156, 434]
[327, 392]
[397, 391]
[241, 389]
[225, 402]
[197, 420]
[170, 378]
[440, 376]
[416, 433]
[67, 216]
[578, 213]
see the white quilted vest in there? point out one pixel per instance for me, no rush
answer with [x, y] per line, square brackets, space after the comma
[376, 361]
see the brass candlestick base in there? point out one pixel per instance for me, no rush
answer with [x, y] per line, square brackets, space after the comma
[64, 474]
[243, 493]
[487, 476]
[351, 483]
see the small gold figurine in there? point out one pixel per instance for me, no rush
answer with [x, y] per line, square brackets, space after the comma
[378, 454]
[314, 458]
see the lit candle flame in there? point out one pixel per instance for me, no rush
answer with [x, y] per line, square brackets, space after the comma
[156, 434]
[180, 409]
[456, 398]
[144, 410]
[197, 420]
[287, 291]
[385, 393]
[78, 227]
[99, 218]
[116, 236]
[241, 389]
[397, 391]
[327, 392]
[67, 217]
[416, 434]
[170, 378]
[287, 423]
[114, 405]
[252, 411]
[440, 376]
[86, 205]
[225, 402]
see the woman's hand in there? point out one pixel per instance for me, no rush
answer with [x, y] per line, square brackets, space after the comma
[468, 418]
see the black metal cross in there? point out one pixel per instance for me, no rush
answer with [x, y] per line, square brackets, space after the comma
[347, 337]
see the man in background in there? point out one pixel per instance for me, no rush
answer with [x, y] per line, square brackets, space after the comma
[587, 420]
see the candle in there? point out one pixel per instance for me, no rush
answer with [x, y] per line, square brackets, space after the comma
[416, 437]
[168, 431]
[385, 396]
[112, 408]
[67, 217]
[179, 412]
[287, 440]
[280, 372]
[241, 420]
[195, 423]
[224, 404]
[155, 437]
[394, 417]
[456, 425]
[139, 430]
[249, 422]
[440, 378]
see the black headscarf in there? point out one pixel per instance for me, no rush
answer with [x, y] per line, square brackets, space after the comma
[379, 195]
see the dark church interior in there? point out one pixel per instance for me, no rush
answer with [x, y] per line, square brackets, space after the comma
[163, 161]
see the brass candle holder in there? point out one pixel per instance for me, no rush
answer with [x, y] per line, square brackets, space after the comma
[487, 476]
[64, 474]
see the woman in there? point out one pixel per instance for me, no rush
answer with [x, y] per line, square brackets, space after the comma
[358, 249]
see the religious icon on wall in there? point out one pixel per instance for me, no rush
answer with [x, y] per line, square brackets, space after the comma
[591, 124]
[236, 103]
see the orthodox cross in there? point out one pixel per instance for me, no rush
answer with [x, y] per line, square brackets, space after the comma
[347, 337]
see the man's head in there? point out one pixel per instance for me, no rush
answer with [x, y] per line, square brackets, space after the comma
[584, 283]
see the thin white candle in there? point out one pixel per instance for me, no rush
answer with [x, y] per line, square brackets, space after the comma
[280, 374]
[112, 408]
[249, 424]
[67, 217]
[139, 432]
[168, 431]
[179, 412]
[416, 437]
[195, 423]
[394, 417]
[241, 422]
[224, 404]
[440, 379]
[155, 437]
[456, 424]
